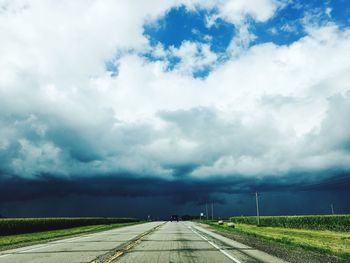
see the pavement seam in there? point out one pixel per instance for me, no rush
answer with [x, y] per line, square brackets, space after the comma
[122, 249]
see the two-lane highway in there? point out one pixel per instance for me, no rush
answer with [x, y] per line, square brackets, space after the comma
[188, 242]
[179, 242]
[154, 242]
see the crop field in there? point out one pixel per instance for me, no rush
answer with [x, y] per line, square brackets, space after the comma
[319, 222]
[12, 226]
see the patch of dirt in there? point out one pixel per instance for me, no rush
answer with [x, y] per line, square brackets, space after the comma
[290, 254]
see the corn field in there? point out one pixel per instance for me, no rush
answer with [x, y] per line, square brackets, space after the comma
[10, 226]
[317, 222]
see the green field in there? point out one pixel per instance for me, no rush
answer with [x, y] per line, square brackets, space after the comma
[12, 241]
[11, 226]
[318, 222]
[336, 243]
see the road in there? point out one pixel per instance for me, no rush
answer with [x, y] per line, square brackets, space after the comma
[154, 242]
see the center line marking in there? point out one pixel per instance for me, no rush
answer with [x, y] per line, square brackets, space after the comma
[216, 246]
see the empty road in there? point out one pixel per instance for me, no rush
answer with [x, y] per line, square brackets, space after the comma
[150, 243]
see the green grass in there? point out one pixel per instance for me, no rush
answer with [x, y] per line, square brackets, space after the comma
[12, 241]
[329, 242]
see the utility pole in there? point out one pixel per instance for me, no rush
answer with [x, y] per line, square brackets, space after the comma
[257, 208]
[212, 211]
[206, 210]
[332, 208]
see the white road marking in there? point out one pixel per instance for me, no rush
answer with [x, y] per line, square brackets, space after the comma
[216, 246]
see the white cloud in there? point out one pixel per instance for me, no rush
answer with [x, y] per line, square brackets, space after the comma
[241, 41]
[34, 159]
[328, 12]
[193, 57]
[288, 28]
[236, 11]
[268, 110]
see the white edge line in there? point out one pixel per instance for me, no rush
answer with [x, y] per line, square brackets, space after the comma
[215, 246]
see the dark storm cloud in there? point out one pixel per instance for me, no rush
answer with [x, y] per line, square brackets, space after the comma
[183, 190]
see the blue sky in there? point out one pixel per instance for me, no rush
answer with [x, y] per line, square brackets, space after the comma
[286, 26]
[182, 24]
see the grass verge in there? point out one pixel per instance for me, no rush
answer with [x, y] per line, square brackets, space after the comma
[324, 241]
[14, 241]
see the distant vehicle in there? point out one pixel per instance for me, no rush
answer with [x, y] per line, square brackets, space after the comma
[174, 218]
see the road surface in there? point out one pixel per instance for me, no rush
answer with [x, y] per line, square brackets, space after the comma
[154, 242]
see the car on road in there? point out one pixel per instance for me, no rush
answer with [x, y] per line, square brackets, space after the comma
[174, 218]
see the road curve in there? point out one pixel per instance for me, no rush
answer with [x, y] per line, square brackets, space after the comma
[155, 242]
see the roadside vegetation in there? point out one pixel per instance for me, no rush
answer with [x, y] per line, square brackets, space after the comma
[13, 241]
[334, 243]
[319, 222]
[11, 226]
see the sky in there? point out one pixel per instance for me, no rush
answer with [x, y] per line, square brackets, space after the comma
[128, 108]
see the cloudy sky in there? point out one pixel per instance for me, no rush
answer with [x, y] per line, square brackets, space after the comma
[129, 108]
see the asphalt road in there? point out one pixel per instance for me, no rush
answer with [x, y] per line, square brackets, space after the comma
[154, 242]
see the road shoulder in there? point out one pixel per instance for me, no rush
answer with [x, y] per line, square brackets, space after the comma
[284, 251]
[252, 252]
